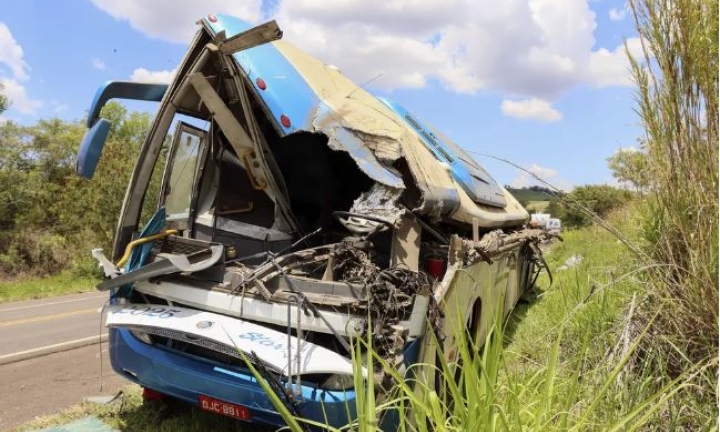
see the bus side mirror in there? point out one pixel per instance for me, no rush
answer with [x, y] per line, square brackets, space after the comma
[91, 147]
[94, 140]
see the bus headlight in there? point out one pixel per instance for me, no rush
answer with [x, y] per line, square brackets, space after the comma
[144, 337]
[339, 382]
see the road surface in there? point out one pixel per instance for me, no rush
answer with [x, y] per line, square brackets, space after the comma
[41, 385]
[34, 324]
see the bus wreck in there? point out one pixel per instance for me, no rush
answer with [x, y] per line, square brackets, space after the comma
[296, 211]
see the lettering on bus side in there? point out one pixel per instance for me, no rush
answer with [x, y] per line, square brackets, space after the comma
[263, 340]
[150, 311]
[269, 342]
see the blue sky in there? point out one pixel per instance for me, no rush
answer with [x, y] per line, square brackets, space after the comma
[543, 83]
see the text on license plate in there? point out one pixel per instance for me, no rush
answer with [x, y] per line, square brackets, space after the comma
[225, 408]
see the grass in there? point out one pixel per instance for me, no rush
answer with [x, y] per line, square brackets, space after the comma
[677, 95]
[678, 98]
[26, 289]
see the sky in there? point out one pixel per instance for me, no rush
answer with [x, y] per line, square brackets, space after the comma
[542, 83]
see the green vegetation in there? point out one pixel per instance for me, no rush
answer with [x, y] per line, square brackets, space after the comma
[584, 204]
[49, 217]
[677, 94]
[63, 283]
[630, 167]
[4, 103]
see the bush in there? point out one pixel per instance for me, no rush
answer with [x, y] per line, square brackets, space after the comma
[50, 218]
[600, 199]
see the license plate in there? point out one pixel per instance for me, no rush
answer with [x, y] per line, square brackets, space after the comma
[224, 408]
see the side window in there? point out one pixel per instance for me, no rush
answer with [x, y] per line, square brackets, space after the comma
[152, 195]
[182, 172]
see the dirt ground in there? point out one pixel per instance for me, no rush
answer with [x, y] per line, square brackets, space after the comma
[48, 384]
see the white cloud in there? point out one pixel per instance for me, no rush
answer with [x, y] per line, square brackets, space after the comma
[611, 68]
[520, 49]
[526, 179]
[160, 76]
[98, 64]
[535, 109]
[11, 54]
[19, 100]
[616, 14]
[174, 20]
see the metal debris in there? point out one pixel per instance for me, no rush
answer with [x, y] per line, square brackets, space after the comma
[492, 244]
[380, 201]
[351, 261]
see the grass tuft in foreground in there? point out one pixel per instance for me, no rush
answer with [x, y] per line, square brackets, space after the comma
[677, 95]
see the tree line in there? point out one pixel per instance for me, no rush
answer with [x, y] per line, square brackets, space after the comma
[49, 217]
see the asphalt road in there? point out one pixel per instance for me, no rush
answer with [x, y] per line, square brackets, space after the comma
[46, 384]
[35, 324]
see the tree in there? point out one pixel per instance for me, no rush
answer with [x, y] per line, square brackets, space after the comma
[600, 199]
[630, 166]
[49, 217]
[4, 103]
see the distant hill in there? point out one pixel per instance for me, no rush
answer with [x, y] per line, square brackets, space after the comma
[532, 193]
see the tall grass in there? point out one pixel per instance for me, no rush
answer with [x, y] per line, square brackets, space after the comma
[677, 96]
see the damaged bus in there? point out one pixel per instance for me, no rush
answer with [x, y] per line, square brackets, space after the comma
[295, 212]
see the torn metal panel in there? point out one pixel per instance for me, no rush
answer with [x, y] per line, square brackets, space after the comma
[236, 134]
[380, 131]
[381, 202]
[467, 252]
[344, 139]
[315, 97]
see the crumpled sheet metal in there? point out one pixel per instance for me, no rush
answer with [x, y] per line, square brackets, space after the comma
[380, 201]
[359, 123]
[342, 138]
[359, 115]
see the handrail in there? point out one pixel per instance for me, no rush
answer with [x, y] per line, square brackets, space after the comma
[141, 240]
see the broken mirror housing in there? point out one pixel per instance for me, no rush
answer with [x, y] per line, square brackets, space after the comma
[93, 142]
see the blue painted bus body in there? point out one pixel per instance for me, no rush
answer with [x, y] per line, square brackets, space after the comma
[186, 377]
